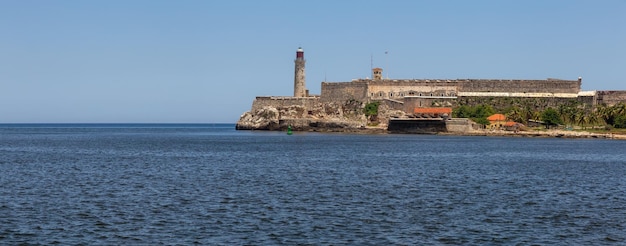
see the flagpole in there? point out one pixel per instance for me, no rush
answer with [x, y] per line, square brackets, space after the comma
[387, 63]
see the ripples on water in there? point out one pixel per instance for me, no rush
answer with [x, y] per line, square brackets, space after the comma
[208, 184]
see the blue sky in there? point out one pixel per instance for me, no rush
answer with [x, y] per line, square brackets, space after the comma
[151, 61]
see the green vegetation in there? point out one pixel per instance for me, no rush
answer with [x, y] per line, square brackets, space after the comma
[573, 113]
[477, 113]
[620, 121]
[551, 117]
[371, 111]
[371, 108]
[613, 115]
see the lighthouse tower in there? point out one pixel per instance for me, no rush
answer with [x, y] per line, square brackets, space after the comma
[299, 88]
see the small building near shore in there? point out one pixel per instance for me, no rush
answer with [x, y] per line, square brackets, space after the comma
[496, 121]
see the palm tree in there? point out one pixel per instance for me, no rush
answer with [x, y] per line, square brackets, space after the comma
[529, 114]
[583, 119]
[594, 118]
[606, 114]
[535, 115]
[620, 108]
[516, 115]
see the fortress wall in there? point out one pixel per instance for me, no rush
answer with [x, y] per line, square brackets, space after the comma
[611, 98]
[588, 100]
[398, 89]
[460, 125]
[365, 89]
[410, 103]
[520, 86]
[516, 94]
[394, 104]
[344, 91]
[260, 102]
[412, 82]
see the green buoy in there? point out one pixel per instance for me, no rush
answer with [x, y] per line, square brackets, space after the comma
[289, 131]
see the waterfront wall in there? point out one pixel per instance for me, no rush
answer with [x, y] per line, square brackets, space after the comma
[416, 126]
[460, 125]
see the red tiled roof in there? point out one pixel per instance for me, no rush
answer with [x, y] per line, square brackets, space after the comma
[496, 117]
[510, 123]
[433, 111]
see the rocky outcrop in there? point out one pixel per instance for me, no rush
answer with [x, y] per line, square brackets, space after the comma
[321, 117]
[266, 118]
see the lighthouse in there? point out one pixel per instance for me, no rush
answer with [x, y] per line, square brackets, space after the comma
[299, 87]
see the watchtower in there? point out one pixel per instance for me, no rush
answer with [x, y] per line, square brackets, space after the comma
[377, 73]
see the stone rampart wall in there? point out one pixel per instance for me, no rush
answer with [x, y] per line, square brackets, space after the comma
[611, 97]
[588, 100]
[402, 88]
[344, 91]
[516, 94]
[394, 104]
[410, 103]
[307, 102]
[520, 86]
[460, 125]
[365, 89]
[411, 82]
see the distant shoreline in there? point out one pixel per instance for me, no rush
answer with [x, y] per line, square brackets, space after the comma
[488, 133]
[547, 133]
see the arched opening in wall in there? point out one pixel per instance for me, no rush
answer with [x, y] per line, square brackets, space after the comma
[411, 93]
[431, 94]
[372, 94]
[420, 103]
[420, 94]
[390, 94]
[380, 94]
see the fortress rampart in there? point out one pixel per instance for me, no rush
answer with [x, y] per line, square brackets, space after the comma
[306, 102]
[368, 89]
[343, 91]
[610, 97]
[520, 86]
[409, 94]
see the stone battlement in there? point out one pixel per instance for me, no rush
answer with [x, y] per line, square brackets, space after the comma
[369, 89]
[283, 101]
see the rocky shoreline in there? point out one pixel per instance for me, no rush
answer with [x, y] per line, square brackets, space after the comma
[535, 133]
[487, 133]
[337, 119]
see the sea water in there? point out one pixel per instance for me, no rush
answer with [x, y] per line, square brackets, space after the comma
[138, 184]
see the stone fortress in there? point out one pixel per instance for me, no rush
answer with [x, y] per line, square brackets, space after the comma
[336, 105]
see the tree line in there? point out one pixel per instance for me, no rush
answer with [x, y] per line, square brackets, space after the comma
[573, 113]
